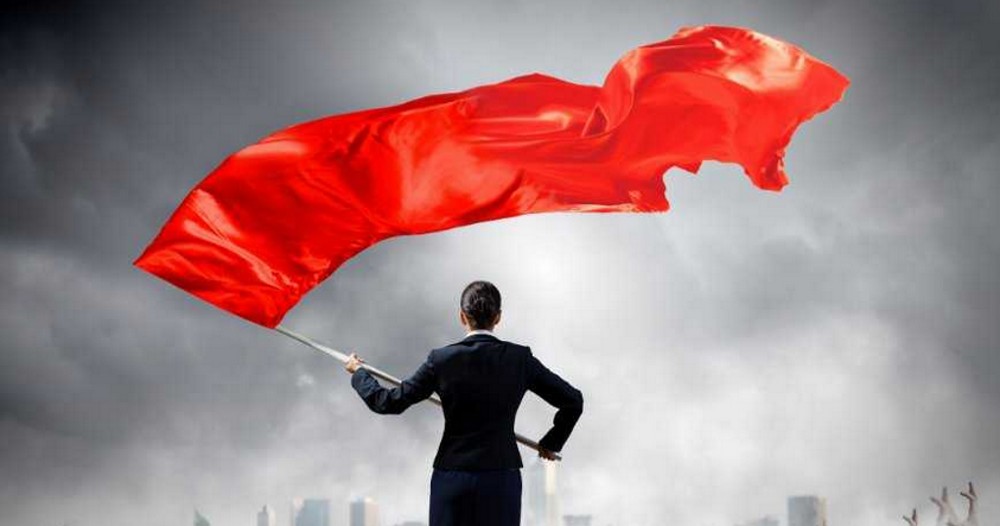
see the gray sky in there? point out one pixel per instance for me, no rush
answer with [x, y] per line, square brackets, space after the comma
[838, 338]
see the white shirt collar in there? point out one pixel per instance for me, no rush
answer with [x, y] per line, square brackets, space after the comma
[479, 331]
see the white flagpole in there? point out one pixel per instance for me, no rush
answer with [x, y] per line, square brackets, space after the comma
[378, 373]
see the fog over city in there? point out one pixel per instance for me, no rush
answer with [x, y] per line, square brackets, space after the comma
[838, 338]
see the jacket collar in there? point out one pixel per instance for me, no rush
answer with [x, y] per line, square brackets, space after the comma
[480, 337]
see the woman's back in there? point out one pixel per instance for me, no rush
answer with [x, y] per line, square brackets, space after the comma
[481, 381]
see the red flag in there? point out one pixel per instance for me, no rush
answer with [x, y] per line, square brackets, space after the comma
[279, 216]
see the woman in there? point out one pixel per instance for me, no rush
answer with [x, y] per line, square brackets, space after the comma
[481, 381]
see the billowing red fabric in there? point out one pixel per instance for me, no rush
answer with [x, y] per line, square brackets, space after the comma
[279, 216]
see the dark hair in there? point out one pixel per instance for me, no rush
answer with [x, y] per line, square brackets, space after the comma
[481, 303]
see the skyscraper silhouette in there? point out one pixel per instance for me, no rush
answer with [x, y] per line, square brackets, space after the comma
[364, 512]
[310, 512]
[541, 501]
[806, 510]
[265, 517]
[763, 521]
[577, 520]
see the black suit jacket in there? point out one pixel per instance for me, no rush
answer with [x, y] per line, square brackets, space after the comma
[481, 381]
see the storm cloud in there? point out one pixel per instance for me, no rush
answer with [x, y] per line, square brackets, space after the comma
[838, 337]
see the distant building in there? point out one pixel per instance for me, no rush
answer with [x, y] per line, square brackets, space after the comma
[265, 517]
[200, 520]
[763, 521]
[364, 512]
[577, 520]
[310, 512]
[541, 501]
[806, 510]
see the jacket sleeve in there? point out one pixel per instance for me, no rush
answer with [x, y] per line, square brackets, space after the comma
[395, 400]
[567, 399]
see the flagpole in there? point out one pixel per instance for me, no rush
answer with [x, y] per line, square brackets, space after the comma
[382, 375]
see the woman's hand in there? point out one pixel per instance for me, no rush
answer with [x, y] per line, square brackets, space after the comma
[546, 454]
[353, 363]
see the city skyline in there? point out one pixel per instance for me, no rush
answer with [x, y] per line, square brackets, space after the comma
[802, 510]
[743, 347]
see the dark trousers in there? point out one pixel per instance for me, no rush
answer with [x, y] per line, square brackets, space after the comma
[475, 498]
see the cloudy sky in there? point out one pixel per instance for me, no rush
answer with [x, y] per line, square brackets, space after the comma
[837, 338]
